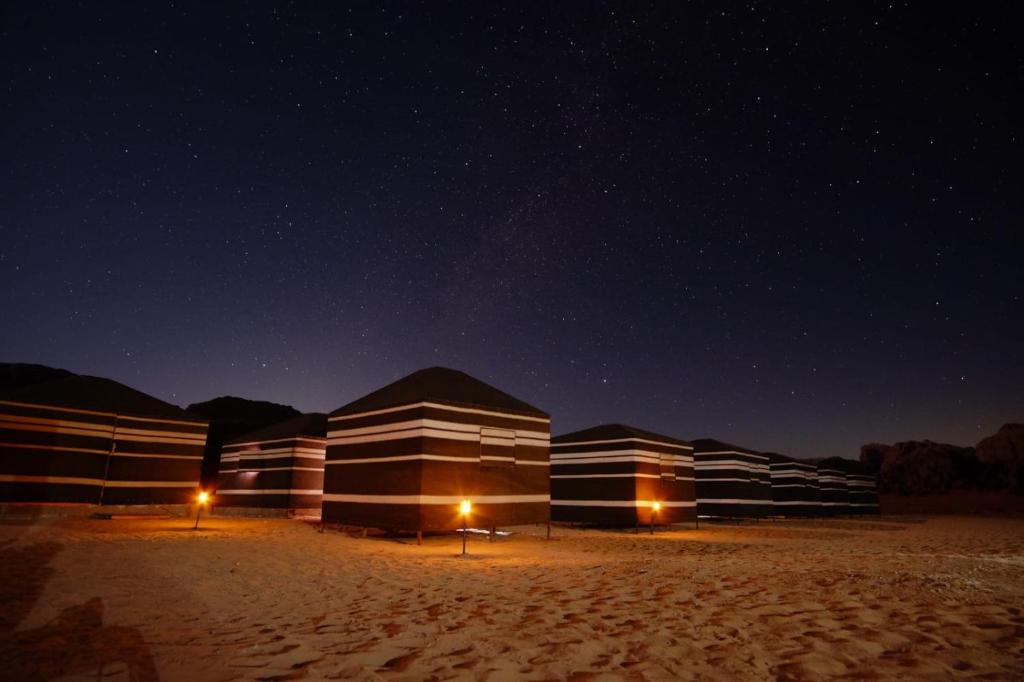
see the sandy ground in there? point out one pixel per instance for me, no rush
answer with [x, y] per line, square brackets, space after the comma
[274, 599]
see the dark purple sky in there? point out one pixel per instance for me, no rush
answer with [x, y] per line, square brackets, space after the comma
[796, 228]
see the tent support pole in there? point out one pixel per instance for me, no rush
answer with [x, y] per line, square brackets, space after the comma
[110, 454]
[549, 529]
[419, 537]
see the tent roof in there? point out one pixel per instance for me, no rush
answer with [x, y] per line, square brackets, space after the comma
[313, 424]
[440, 385]
[100, 395]
[615, 432]
[712, 445]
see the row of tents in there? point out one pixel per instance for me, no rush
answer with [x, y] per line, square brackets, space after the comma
[403, 457]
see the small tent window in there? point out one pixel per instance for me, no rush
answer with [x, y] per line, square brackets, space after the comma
[497, 447]
[668, 466]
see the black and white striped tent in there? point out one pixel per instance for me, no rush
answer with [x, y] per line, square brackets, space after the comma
[862, 492]
[614, 474]
[833, 488]
[277, 467]
[90, 440]
[732, 481]
[405, 456]
[794, 487]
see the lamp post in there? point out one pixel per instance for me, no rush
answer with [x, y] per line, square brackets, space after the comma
[201, 500]
[655, 508]
[464, 508]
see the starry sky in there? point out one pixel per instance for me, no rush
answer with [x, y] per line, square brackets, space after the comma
[792, 226]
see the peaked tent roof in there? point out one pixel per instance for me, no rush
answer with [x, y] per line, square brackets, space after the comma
[100, 395]
[712, 445]
[313, 424]
[615, 432]
[439, 385]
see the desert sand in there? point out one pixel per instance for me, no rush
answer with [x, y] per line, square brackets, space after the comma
[150, 599]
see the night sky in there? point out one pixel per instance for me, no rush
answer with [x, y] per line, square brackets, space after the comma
[794, 227]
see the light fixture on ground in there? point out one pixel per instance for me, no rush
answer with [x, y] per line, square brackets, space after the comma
[464, 509]
[201, 501]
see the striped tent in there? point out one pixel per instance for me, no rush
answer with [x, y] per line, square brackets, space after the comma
[91, 440]
[794, 486]
[614, 474]
[832, 486]
[862, 493]
[277, 467]
[731, 481]
[406, 455]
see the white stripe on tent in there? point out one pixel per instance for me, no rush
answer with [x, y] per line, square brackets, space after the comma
[628, 451]
[6, 478]
[275, 440]
[96, 481]
[276, 455]
[620, 503]
[437, 424]
[62, 448]
[275, 491]
[256, 471]
[563, 460]
[450, 408]
[118, 453]
[726, 480]
[724, 500]
[152, 484]
[434, 499]
[437, 458]
[678, 478]
[66, 430]
[728, 464]
[732, 452]
[421, 432]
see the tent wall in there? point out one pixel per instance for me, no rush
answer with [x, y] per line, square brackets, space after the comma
[52, 454]
[833, 491]
[617, 481]
[861, 489]
[794, 488]
[67, 455]
[732, 484]
[283, 473]
[155, 461]
[409, 467]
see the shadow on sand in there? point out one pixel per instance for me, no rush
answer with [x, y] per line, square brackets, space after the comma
[75, 642]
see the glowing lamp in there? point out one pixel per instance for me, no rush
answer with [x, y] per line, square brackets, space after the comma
[656, 506]
[464, 508]
[202, 498]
